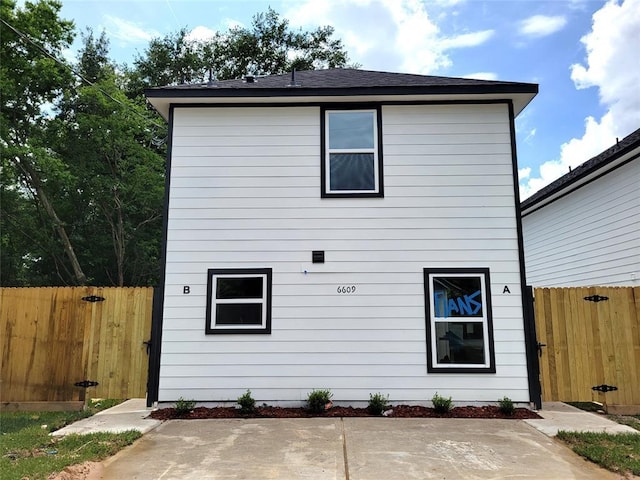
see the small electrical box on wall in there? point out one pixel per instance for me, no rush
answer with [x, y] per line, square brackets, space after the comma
[317, 256]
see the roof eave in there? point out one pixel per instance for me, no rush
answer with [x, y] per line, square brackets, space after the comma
[560, 188]
[163, 98]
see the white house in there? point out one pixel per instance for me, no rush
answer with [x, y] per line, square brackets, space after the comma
[342, 229]
[584, 228]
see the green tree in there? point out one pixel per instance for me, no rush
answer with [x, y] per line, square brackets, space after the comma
[30, 81]
[268, 46]
[104, 138]
[82, 166]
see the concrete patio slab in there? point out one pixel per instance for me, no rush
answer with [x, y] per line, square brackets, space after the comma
[309, 448]
[350, 449]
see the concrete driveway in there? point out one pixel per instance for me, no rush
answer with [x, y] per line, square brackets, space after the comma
[349, 449]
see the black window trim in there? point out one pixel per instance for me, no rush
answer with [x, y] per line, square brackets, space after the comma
[489, 319]
[323, 150]
[249, 272]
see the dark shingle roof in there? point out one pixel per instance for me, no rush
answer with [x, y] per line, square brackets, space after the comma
[340, 83]
[340, 78]
[601, 160]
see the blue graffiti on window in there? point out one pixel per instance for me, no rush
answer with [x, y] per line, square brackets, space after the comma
[458, 306]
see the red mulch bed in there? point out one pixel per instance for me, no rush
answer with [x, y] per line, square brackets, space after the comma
[398, 411]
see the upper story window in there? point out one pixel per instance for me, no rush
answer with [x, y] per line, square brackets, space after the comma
[239, 301]
[352, 153]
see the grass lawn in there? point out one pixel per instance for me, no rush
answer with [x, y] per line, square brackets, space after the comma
[619, 453]
[632, 421]
[27, 451]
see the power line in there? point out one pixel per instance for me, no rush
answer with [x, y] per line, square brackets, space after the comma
[75, 72]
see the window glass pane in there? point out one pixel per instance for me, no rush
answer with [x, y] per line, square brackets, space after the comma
[351, 130]
[239, 314]
[351, 171]
[460, 342]
[250, 287]
[457, 297]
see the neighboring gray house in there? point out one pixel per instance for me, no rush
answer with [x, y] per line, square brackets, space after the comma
[343, 229]
[584, 228]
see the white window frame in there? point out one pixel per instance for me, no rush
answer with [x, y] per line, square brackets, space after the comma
[377, 191]
[212, 282]
[433, 363]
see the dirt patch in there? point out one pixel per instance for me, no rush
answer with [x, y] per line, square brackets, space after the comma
[82, 471]
[397, 411]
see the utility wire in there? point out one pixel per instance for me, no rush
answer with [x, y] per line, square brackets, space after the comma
[75, 72]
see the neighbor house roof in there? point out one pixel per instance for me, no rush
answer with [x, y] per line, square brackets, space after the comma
[622, 152]
[334, 85]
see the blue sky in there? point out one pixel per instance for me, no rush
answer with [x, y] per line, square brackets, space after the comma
[582, 53]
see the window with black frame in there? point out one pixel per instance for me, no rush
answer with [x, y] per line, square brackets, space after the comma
[459, 320]
[239, 301]
[352, 157]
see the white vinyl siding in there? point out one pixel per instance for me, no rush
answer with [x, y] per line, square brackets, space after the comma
[245, 186]
[588, 237]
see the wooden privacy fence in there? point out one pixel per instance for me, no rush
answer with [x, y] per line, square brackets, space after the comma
[55, 337]
[592, 338]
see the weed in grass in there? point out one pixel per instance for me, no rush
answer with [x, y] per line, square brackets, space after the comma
[632, 421]
[619, 453]
[318, 400]
[98, 404]
[378, 403]
[586, 406]
[441, 404]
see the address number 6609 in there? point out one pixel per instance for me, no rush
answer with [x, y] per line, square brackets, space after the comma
[347, 289]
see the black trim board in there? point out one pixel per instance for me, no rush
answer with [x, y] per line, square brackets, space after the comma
[317, 103]
[153, 383]
[530, 340]
[427, 308]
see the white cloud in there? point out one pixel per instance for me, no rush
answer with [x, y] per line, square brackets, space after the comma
[612, 66]
[128, 32]
[524, 173]
[398, 35]
[482, 76]
[230, 23]
[542, 25]
[200, 33]
[449, 3]
[468, 39]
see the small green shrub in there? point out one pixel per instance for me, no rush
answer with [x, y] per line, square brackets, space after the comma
[317, 400]
[378, 403]
[506, 406]
[441, 404]
[183, 406]
[247, 402]
[98, 404]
